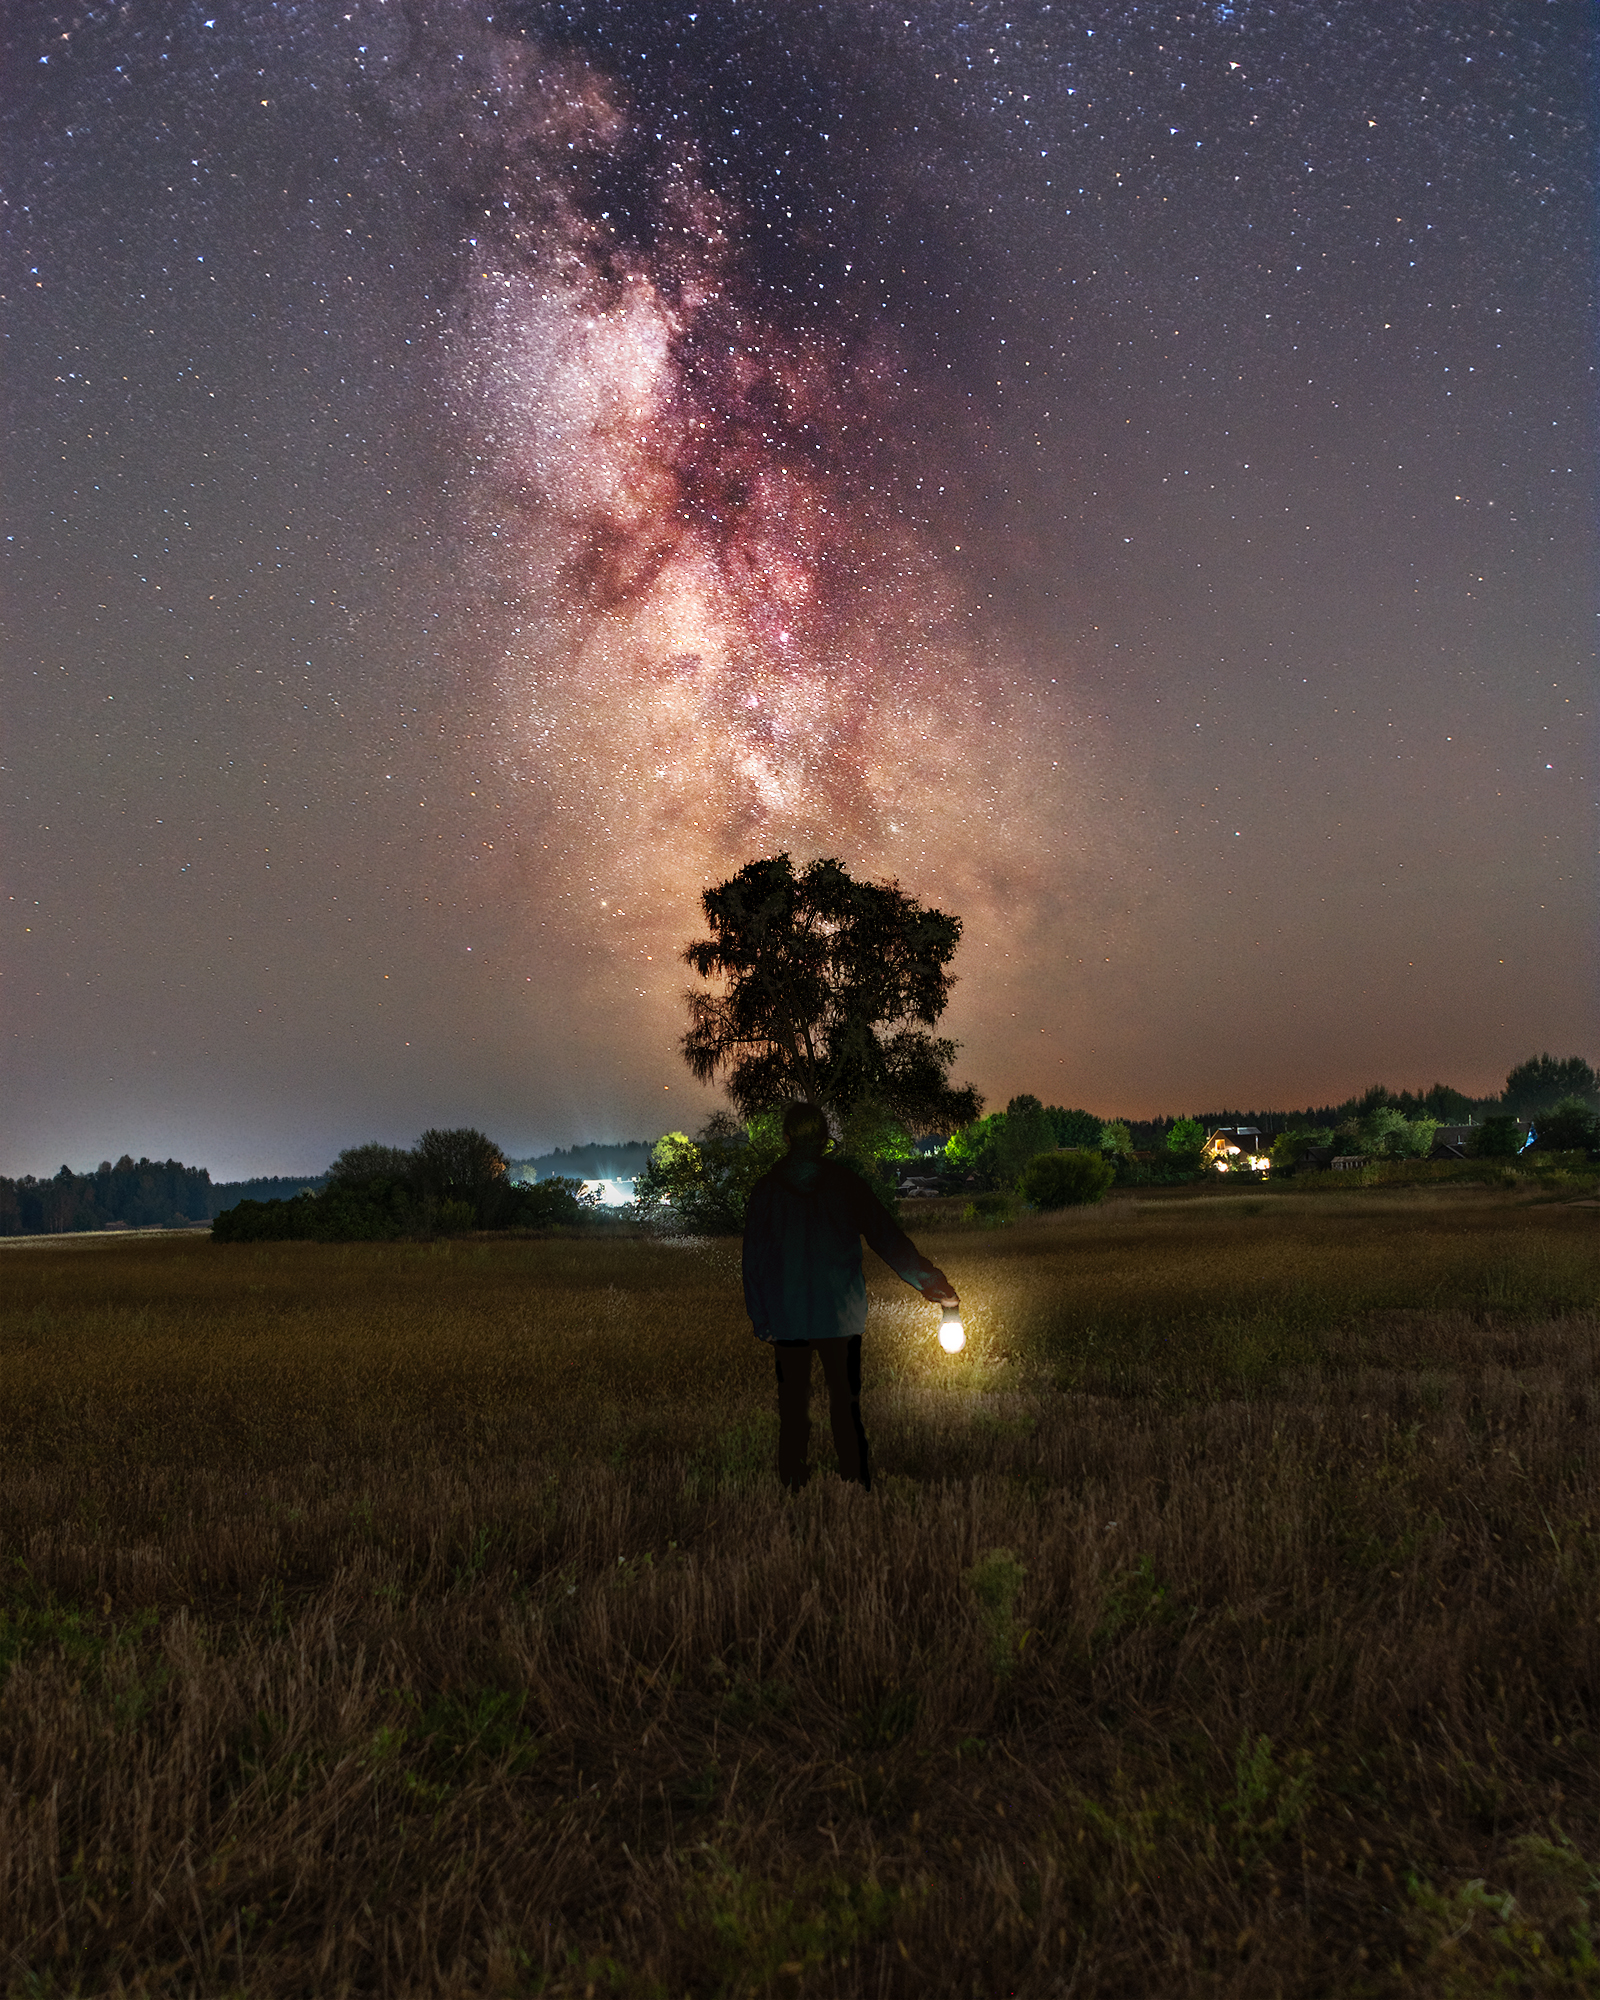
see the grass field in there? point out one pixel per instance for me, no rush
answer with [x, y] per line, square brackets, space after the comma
[426, 1619]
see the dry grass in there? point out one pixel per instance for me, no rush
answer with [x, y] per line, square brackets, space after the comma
[427, 1619]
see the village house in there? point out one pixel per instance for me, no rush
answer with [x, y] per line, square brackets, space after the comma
[1236, 1149]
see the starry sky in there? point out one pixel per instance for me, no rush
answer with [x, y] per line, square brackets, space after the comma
[476, 475]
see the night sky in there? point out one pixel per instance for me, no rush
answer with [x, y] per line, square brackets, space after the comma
[477, 475]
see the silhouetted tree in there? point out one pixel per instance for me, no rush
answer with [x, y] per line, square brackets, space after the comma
[1187, 1135]
[1570, 1125]
[363, 1166]
[1026, 1133]
[558, 1203]
[874, 1142]
[460, 1166]
[973, 1151]
[1498, 1138]
[1540, 1083]
[141, 1194]
[1074, 1130]
[829, 989]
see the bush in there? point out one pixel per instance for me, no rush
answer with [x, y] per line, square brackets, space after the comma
[375, 1213]
[1498, 1138]
[552, 1204]
[264, 1221]
[992, 1210]
[702, 1185]
[1570, 1127]
[1289, 1150]
[1067, 1180]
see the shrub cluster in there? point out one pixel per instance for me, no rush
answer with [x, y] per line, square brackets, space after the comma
[448, 1183]
[1067, 1180]
[701, 1185]
[997, 1149]
[1570, 1127]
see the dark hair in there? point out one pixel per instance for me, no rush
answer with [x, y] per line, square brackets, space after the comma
[805, 1126]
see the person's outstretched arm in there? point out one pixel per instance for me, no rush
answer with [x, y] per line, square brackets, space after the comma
[898, 1251]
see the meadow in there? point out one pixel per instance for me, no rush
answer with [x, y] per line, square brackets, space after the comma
[426, 1619]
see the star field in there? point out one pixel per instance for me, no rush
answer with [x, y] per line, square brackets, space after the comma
[478, 474]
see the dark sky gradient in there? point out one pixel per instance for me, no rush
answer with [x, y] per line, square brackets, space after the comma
[476, 475]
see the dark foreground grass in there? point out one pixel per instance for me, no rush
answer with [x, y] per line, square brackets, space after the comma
[427, 1620]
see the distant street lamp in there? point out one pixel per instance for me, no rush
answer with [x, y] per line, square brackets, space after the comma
[952, 1334]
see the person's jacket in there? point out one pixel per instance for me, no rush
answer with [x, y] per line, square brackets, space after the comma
[802, 1250]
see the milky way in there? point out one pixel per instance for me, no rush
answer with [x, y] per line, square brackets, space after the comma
[734, 629]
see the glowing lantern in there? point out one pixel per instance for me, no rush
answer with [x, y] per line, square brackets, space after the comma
[952, 1334]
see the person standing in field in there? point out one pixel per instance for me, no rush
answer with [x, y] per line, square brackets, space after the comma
[804, 1287]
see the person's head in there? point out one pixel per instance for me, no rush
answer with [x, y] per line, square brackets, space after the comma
[805, 1128]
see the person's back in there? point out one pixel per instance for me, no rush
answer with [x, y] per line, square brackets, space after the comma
[804, 1284]
[802, 1255]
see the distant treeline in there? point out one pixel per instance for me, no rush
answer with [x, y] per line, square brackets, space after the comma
[135, 1193]
[623, 1160]
[270, 1187]
[131, 1194]
[1533, 1087]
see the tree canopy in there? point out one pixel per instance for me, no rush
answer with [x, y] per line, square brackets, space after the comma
[1187, 1135]
[1542, 1082]
[1074, 1130]
[1570, 1124]
[462, 1165]
[1000, 1146]
[829, 989]
[1389, 1134]
[706, 1181]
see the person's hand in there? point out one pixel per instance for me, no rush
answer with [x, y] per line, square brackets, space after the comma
[937, 1288]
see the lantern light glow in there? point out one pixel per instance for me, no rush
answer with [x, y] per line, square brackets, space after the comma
[952, 1334]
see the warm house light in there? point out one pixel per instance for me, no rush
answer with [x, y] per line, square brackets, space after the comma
[952, 1334]
[1224, 1151]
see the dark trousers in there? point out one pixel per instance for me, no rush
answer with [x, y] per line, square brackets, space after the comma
[841, 1370]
